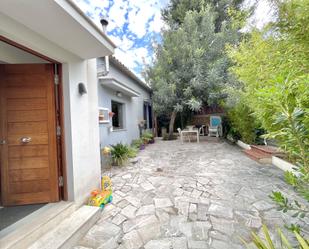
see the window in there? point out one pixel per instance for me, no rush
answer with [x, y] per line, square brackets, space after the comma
[118, 118]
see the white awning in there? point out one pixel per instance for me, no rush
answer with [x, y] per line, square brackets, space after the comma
[118, 86]
[60, 22]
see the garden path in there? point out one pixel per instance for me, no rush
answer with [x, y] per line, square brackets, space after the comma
[175, 196]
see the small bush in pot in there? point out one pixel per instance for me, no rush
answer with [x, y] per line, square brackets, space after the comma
[137, 143]
[132, 152]
[147, 138]
[120, 154]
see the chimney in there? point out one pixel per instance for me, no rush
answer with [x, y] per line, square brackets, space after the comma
[104, 23]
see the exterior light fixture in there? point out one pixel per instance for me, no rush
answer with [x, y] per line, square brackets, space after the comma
[82, 88]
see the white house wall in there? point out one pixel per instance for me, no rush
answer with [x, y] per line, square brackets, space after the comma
[80, 112]
[133, 109]
[83, 145]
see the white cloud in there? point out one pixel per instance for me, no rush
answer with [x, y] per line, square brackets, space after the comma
[123, 43]
[116, 15]
[157, 23]
[141, 17]
[134, 57]
[95, 7]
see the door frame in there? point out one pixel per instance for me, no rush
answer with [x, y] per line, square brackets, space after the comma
[59, 110]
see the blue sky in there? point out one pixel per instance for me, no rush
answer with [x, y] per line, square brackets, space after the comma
[135, 24]
[133, 27]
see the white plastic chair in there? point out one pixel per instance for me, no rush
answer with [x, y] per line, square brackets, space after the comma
[215, 127]
[202, 130]
[182, 136]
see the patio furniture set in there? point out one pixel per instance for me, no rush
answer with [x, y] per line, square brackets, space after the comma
[192, 132]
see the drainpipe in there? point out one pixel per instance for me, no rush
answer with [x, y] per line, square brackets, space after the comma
[104, 24]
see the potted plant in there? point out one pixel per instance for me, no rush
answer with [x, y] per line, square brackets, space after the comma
[147, 138]
[138, 144]
[119, 154]
[142, 146]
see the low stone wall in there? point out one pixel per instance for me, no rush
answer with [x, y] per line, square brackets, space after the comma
[203, 119]
[200, 120]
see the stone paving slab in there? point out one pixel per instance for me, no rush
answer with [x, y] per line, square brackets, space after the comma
[205, 195]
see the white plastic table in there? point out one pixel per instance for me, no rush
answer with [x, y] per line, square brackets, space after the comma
[190, 131]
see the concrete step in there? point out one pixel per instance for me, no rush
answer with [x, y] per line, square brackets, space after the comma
[267, 149]
[69, 231]
[259, 156]
[29, 229]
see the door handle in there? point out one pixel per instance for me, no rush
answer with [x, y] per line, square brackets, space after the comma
[25, 140]
[2, 142]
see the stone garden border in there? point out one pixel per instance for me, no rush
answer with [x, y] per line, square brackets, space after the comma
[284, 165]
[243, 145]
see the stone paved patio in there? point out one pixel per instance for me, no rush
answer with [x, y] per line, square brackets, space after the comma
[177, 196]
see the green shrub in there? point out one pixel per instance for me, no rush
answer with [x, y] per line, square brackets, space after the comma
[137, 143]
[120, 154]
[132, 152]
[146, 137]
[243, 124]
[272, 68]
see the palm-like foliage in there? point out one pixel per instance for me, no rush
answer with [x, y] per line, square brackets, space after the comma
[268, 243]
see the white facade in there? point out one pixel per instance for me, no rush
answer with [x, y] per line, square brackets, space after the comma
[134, 94]
[56, 29]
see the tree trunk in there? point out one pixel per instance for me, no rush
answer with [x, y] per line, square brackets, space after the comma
[171, 125]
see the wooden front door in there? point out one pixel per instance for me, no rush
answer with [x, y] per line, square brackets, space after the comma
[28, 157]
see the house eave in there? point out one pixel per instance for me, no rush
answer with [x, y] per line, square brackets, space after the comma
[60, 22]
[130, 74]
[118, 86]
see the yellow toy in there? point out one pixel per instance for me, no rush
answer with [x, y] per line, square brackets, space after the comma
[106, 151]
[100, 198]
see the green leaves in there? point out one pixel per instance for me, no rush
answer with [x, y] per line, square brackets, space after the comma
[120, 154]
[279, 198]
[266, 242]
[243, 122]
[290, 178]
[272, 65]
[284, 205]
[191, 66]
